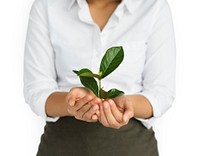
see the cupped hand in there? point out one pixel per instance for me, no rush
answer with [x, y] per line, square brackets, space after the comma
[117, 112]
[83, 104]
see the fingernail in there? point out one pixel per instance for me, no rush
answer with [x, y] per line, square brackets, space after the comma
[94, 117]
[125, 118]
[105, 104]
[110, 102]
[70, 103]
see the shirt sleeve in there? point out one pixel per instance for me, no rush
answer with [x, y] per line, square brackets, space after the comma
[39, 71]
[159, 68]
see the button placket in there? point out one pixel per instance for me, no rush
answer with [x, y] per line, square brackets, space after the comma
[97, 50]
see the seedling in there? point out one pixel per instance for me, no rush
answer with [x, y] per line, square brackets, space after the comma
[110, 61]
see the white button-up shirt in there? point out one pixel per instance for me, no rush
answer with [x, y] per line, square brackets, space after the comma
[62, 37]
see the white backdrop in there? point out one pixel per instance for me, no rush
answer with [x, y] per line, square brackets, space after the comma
[177, 132]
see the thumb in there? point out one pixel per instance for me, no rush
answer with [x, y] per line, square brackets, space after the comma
[71, 99]
[127, 115]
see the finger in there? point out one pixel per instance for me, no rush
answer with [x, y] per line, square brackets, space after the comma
[72, 96]
[97, 112]
[109, 116]
[80, 103]
[80, 113]
[75, 94]
[103, 119]
[94, 117]
[120, 109]
[96, 102]
[127, 115]
[87, 110]
[93, 102]
[91, 111]
[70, 99]
[115, 111]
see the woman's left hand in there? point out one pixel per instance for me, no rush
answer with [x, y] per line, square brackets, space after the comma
[116, 112]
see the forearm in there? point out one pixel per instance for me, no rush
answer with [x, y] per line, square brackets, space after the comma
[141, 106]
[56, 105]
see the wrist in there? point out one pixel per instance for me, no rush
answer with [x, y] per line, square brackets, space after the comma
[130, 100]
[141, 106]
[56, 105]
[68, 112]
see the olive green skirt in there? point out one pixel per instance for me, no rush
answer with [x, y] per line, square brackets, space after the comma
[71, 137]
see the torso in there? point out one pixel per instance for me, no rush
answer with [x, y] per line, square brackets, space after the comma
[102, 12]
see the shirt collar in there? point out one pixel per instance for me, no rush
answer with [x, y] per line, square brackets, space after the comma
[70, 4]
[129, 4]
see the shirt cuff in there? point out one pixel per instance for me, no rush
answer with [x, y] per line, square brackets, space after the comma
[148, 123]
[40, 109]
[52, 119]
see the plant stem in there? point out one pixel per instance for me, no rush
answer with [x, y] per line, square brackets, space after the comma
[99, 88]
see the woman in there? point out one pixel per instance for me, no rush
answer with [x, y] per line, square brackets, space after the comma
[66, 35]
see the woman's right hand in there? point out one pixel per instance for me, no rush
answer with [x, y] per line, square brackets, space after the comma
[83, 104]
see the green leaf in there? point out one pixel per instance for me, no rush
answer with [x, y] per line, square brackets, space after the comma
[100, 74]
[90, 83]
[86, 78]
[114, 93]
[75, 71]
[103, 94]
[86, 73]
[111, 60]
